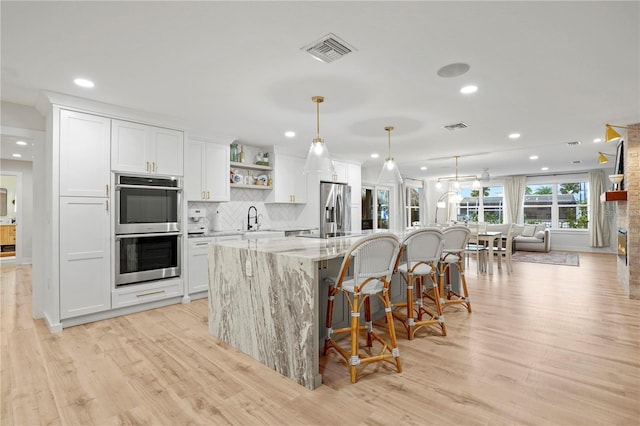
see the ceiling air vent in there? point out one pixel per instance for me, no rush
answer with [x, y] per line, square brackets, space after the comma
[573, 143]
[576, 162]
[456, 126]
[329, 48]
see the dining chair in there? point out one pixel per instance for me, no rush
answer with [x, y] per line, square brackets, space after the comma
[456, 238]
[373, 259]
[474, 246]
[422, 250]
[505, 249]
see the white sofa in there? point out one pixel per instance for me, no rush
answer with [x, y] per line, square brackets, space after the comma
[539, 241]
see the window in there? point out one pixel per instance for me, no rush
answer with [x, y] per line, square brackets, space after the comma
[413, 205]
[481, 206]
[375, 208]
[558, 205]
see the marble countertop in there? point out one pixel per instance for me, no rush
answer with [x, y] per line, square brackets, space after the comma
[299, 247]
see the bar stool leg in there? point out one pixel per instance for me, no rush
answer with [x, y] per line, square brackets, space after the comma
[392, 331]
[354, 360]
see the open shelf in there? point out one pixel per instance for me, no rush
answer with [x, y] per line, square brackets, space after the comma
[244, 186]
[613, 196]
[249, 166]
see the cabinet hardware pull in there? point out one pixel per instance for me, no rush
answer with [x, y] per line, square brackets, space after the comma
[107, 189]
[208, 195]
[150, 293]
[154, 167]
[203, 195]
[106, 205]
[147, 166]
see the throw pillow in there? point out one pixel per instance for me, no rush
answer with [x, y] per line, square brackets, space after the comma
[529, 230]
[539, 235]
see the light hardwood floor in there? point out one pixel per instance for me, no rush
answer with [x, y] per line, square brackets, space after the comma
[546, 345]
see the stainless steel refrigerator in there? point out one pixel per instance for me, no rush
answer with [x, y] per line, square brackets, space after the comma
[335, 209]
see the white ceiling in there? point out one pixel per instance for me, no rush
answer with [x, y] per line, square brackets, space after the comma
[553, 71]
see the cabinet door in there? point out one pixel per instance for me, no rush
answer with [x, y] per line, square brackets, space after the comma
[341, 172]
[216, 172]
[166, 153]
[289, 183]
[85, 267]
[355, 182]
[84, 154]
[130, 147]
[198, 266]
[194, 174]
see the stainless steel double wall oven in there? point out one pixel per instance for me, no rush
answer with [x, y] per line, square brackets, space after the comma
[148, 235]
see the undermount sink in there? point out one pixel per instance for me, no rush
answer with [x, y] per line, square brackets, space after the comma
[254, 235]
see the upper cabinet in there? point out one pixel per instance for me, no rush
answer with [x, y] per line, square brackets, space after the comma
[84, 154]
[140, 148]
[289, 183]
[207, 174]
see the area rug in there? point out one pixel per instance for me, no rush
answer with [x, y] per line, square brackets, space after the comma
[553, 258]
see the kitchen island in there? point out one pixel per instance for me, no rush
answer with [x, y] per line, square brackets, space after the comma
[266, 298]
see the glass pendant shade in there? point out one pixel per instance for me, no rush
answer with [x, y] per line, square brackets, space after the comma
[390, 173]
[318, 159]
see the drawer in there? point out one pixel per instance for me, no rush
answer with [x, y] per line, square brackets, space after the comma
[137, 294]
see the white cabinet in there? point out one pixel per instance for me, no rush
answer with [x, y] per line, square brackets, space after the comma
[289, 183]
[85, 170]
[140, 148]
[207, 174]
[199, 260]
[85, 260]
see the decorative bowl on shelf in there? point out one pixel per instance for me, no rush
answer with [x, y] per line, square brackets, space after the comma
[615, 180]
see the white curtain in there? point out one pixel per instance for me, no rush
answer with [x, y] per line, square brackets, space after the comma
[599, 227]
[514, 188]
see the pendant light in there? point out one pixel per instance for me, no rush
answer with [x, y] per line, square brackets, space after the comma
[390, 172]
[318, 159]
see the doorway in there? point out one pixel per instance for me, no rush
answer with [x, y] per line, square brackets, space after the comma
[375, 207]
[8, 214]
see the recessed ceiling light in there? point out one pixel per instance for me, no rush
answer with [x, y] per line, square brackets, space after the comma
[23, 143]
[83, 82]
[514, 135]
[596, 140]
[17, 155]
[374, 155]
[289, 134]
[423, 168]
[533, 157]
[544, 168]
[471, 88]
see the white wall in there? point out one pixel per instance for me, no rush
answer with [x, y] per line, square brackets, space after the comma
[21, 116]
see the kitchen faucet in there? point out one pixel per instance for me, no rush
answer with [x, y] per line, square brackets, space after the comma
[255, 217]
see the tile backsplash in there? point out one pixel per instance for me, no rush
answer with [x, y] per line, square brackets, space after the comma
[233, 215]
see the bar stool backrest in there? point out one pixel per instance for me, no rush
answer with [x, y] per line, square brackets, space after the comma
[373, 256]
[456, 238]
[424, 245]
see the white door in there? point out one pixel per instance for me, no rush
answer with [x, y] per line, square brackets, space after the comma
[85, 167]
[198, 266]
[85, 267]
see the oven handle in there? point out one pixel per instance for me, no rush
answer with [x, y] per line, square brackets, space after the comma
[156, 234]
[167, 188]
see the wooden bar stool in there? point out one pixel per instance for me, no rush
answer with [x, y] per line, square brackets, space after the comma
[456, 238]
[374, 259]
[422, 252]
